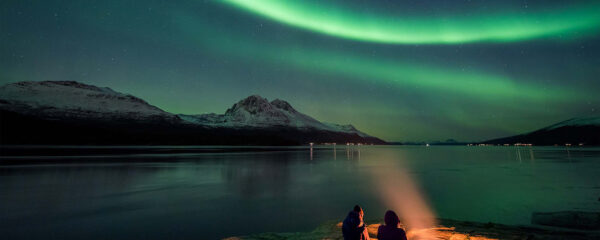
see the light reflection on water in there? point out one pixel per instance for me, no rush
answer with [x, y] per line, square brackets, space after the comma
[213, 195]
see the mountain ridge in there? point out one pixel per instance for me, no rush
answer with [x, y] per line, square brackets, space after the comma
[71, 99]
[90, 106]
[256, 111]
[581, 130]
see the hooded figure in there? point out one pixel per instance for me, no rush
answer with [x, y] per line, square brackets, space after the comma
[353, 227]
[390, 230]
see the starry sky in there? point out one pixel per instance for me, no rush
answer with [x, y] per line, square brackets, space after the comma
[409, 70]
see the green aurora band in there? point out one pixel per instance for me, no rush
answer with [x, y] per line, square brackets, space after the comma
[478, 85]
[202, 56]
[560, 23]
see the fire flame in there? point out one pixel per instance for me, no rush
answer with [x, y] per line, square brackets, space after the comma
[401, 194]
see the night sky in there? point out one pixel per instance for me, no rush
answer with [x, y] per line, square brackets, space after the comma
[400, 70]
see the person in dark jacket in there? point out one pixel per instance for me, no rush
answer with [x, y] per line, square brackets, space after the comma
[390, 230]
[353, 227]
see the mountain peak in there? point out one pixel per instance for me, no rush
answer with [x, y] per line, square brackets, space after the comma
[254, 99]
[60, 83]
[257, 111]
[68, 99]
[253, 104]
[281, 104]
[581, 130]
[581, 121]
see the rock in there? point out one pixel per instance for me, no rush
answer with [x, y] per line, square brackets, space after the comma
[568, 219]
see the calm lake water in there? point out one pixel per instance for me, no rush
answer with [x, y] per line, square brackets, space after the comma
[215, 193]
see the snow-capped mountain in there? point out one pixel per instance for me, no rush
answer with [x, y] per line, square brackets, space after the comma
[585, 130]
[573, 122]
[257, 112]
[72, 112]
[74, 100]
[346, 128]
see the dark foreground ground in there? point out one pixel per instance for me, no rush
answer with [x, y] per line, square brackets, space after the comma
[447, 230]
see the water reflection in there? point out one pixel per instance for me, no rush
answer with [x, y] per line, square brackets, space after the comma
[50, 189]
[352, 151]
[202, 195]
[260, 174]
[334, 152]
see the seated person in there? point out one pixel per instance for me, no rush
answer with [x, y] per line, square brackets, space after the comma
[390, 230]
[353, 227]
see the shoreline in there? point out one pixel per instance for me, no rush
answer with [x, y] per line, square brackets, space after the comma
[447, 229]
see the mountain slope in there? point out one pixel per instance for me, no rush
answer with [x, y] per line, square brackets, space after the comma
[573, 131]
[61, 112]
[72, 100]
[257, 112]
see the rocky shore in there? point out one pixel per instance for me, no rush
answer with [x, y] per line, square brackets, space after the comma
[446, 230]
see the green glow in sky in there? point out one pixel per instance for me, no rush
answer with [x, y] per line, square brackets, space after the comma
[422, 77]
[510, 26]
[461, 92]
[400, 70]
[400, 73]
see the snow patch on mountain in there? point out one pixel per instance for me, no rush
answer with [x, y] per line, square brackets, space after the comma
[585, 121]
[70, 99]
[256, 111]
[349, 128]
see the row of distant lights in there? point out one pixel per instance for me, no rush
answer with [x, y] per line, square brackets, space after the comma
[470, 144]
[517, 144]
[347, 144]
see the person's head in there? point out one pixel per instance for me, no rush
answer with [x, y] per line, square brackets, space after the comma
[391, 219]
[359, 210]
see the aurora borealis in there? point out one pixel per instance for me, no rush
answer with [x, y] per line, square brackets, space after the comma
[399, 70]
[364, 25]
